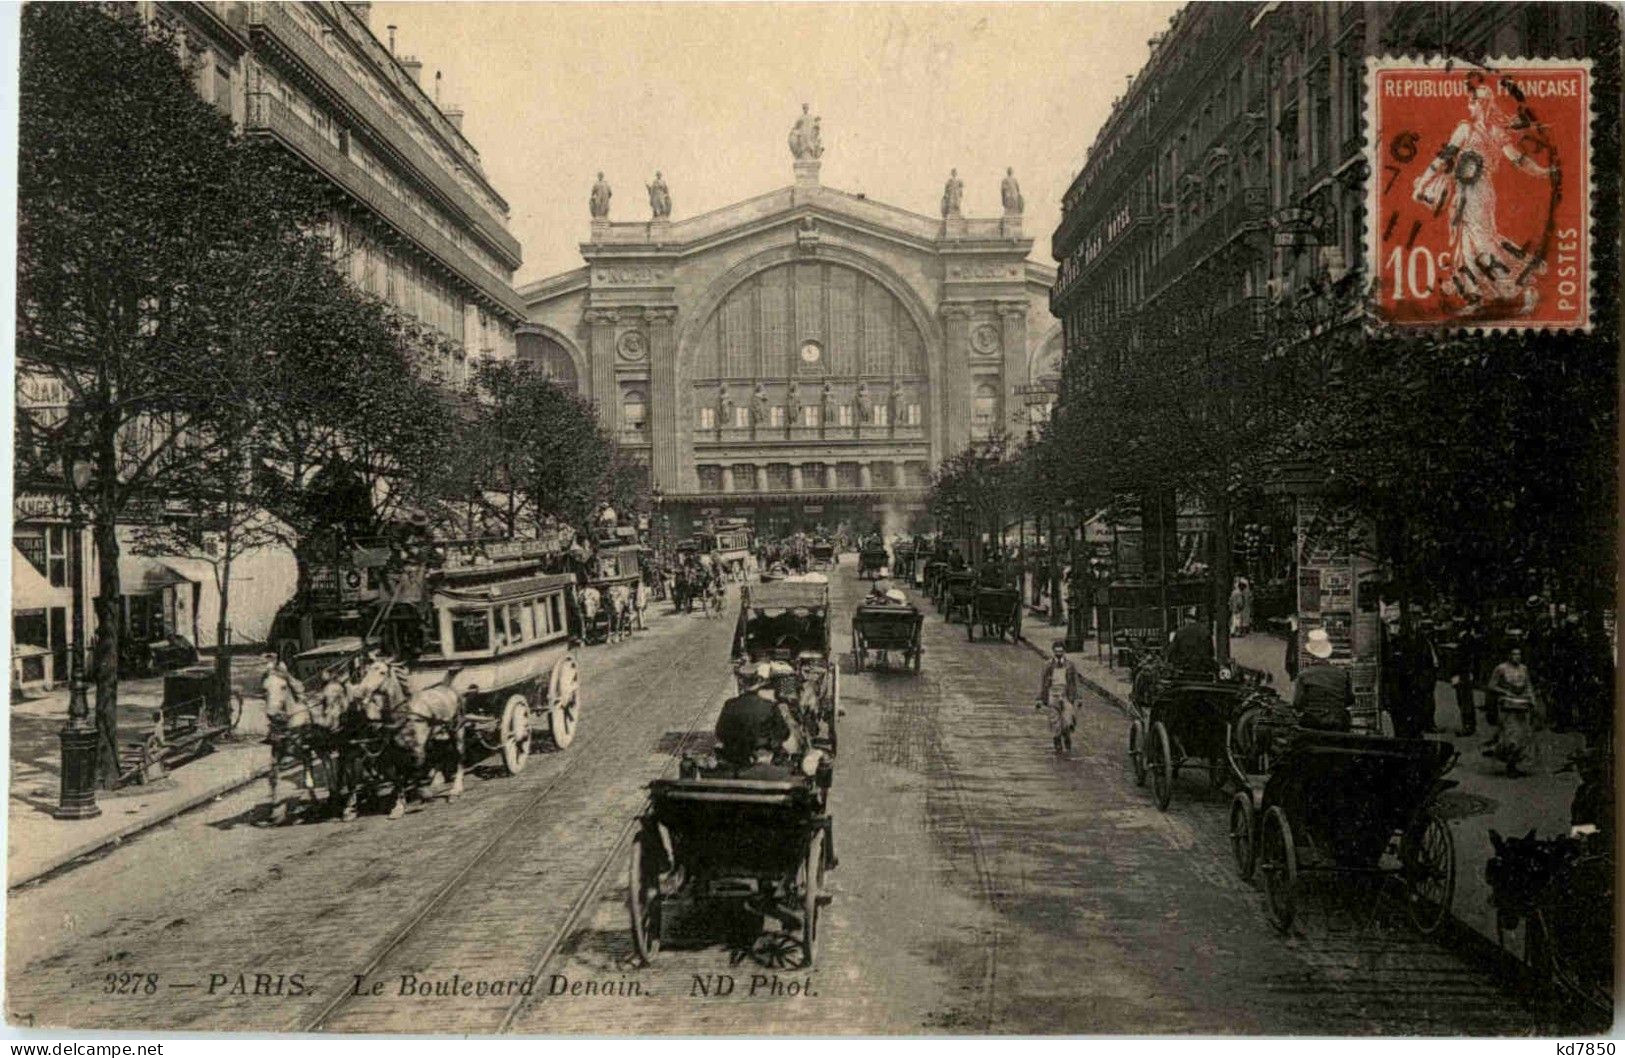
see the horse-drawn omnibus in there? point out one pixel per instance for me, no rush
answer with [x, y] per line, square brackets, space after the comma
[495, 621]
[611, 596]
[728, 544]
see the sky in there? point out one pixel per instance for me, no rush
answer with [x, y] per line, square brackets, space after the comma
[707, 93]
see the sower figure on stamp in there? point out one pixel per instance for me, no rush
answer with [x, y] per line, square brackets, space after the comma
[1058, 693]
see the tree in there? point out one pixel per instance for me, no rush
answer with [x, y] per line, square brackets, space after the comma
[533, 450]
[144, 228]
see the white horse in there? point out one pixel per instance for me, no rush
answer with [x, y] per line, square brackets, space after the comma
[620, 612]
[300, 730]
[432, 714]
[592, 602]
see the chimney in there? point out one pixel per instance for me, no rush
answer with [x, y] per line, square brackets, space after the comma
[455, 116]
[362, 10]
[413, 68]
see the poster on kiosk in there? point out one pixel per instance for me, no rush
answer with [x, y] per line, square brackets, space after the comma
[1337, 591]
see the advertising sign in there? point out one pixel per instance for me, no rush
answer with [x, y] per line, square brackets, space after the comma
[1337, 592]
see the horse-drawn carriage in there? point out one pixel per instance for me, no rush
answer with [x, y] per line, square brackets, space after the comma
[1176, 721]
[198, 709]
[788, 621]
[873, 560]
[1358, 806]
[902, 560]
[758, 845]
[997, 609]
[821, 554]
[478, 648]
[728, 544]
[883, 629]
[958, 594]
[614, 598]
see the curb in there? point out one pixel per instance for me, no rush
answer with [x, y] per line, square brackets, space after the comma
[67, 861]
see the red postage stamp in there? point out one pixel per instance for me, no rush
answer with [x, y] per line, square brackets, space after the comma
[1479, 206]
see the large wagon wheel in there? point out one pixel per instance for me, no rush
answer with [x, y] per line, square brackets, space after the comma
[812, 883]
[1427, 855]
[1136, 751]
[1278, 861]
[1162, 766]
[1242, 844]
[643, 901]
[564, 701]
[513, 730]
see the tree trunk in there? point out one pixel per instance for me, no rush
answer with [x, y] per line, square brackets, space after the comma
[222, 627]
[109, 633]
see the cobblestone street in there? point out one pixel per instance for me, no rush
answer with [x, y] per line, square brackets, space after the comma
[984, 885]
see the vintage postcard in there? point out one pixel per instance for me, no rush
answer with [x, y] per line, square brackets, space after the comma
[819, 519]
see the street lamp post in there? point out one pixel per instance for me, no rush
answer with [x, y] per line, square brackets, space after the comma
[77, 799]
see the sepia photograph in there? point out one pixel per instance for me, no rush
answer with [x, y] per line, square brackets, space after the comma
[1091, 519]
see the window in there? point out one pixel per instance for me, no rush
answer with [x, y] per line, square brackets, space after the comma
[843, 415]
[516, 623]
[56, 555]
[775, 415]
[984, 411]
[557, 617]
[708, 418]
[533, 630]
[911, 415]
[882, 415]
[634, 412]
[222, 87]
[741, 417]
[470, 631]
[809, 415]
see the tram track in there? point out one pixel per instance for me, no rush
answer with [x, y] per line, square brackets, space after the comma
[427, 921]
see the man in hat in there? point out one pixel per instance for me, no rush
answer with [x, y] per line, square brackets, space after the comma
[1323, 694]
[755, 725]
[1058, 692]
[1190, 650]
[883, 594]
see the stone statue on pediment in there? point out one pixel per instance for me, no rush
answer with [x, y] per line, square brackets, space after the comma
[806, 138]
[660, 198]
[1010, 191]
[865, 402]
[953, 192]
[758, 404]
[725, 406]
[598, 203]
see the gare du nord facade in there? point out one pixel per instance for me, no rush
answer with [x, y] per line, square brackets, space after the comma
[803, 358]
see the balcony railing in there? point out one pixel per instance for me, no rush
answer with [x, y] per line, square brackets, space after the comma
[267, 114]
[273, 20]
[1243, 211]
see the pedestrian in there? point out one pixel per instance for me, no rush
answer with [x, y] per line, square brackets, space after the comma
[1246, 607]
[1424, 677]
[1058, 693]
[1292, 639]
[1323, 693]
[1512, 683]
[1465, 662]
[1236, 601]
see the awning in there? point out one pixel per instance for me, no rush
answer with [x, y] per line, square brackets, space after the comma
[29, 588]
[140, 575]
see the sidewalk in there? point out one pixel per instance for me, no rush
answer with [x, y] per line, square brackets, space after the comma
[37, 843]
[1484, 798]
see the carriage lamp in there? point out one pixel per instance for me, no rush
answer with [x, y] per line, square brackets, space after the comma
[78, 737]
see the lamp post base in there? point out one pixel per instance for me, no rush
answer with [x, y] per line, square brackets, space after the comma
[77, 799]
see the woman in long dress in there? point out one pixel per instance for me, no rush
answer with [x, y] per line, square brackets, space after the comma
[1467, 167]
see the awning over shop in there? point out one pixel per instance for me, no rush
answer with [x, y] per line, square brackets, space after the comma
[29, 588]
[140, 575]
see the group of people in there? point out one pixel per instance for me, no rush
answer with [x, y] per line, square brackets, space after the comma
[765, 728]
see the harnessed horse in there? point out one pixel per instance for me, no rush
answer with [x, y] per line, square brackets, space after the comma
[620, 613]
[431, 715]
[301, 731]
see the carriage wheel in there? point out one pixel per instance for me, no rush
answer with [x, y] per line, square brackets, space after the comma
[1136, 751]
[1278, 861]
[565, 714]
[1162, 766]
[514, 732]
[1427, 854]
[642, 904]
[1241, 834]
[812, 882]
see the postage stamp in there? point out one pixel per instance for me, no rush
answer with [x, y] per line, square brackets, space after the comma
[1479, 202]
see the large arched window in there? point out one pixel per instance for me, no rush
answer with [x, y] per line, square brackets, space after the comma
[548, 356]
